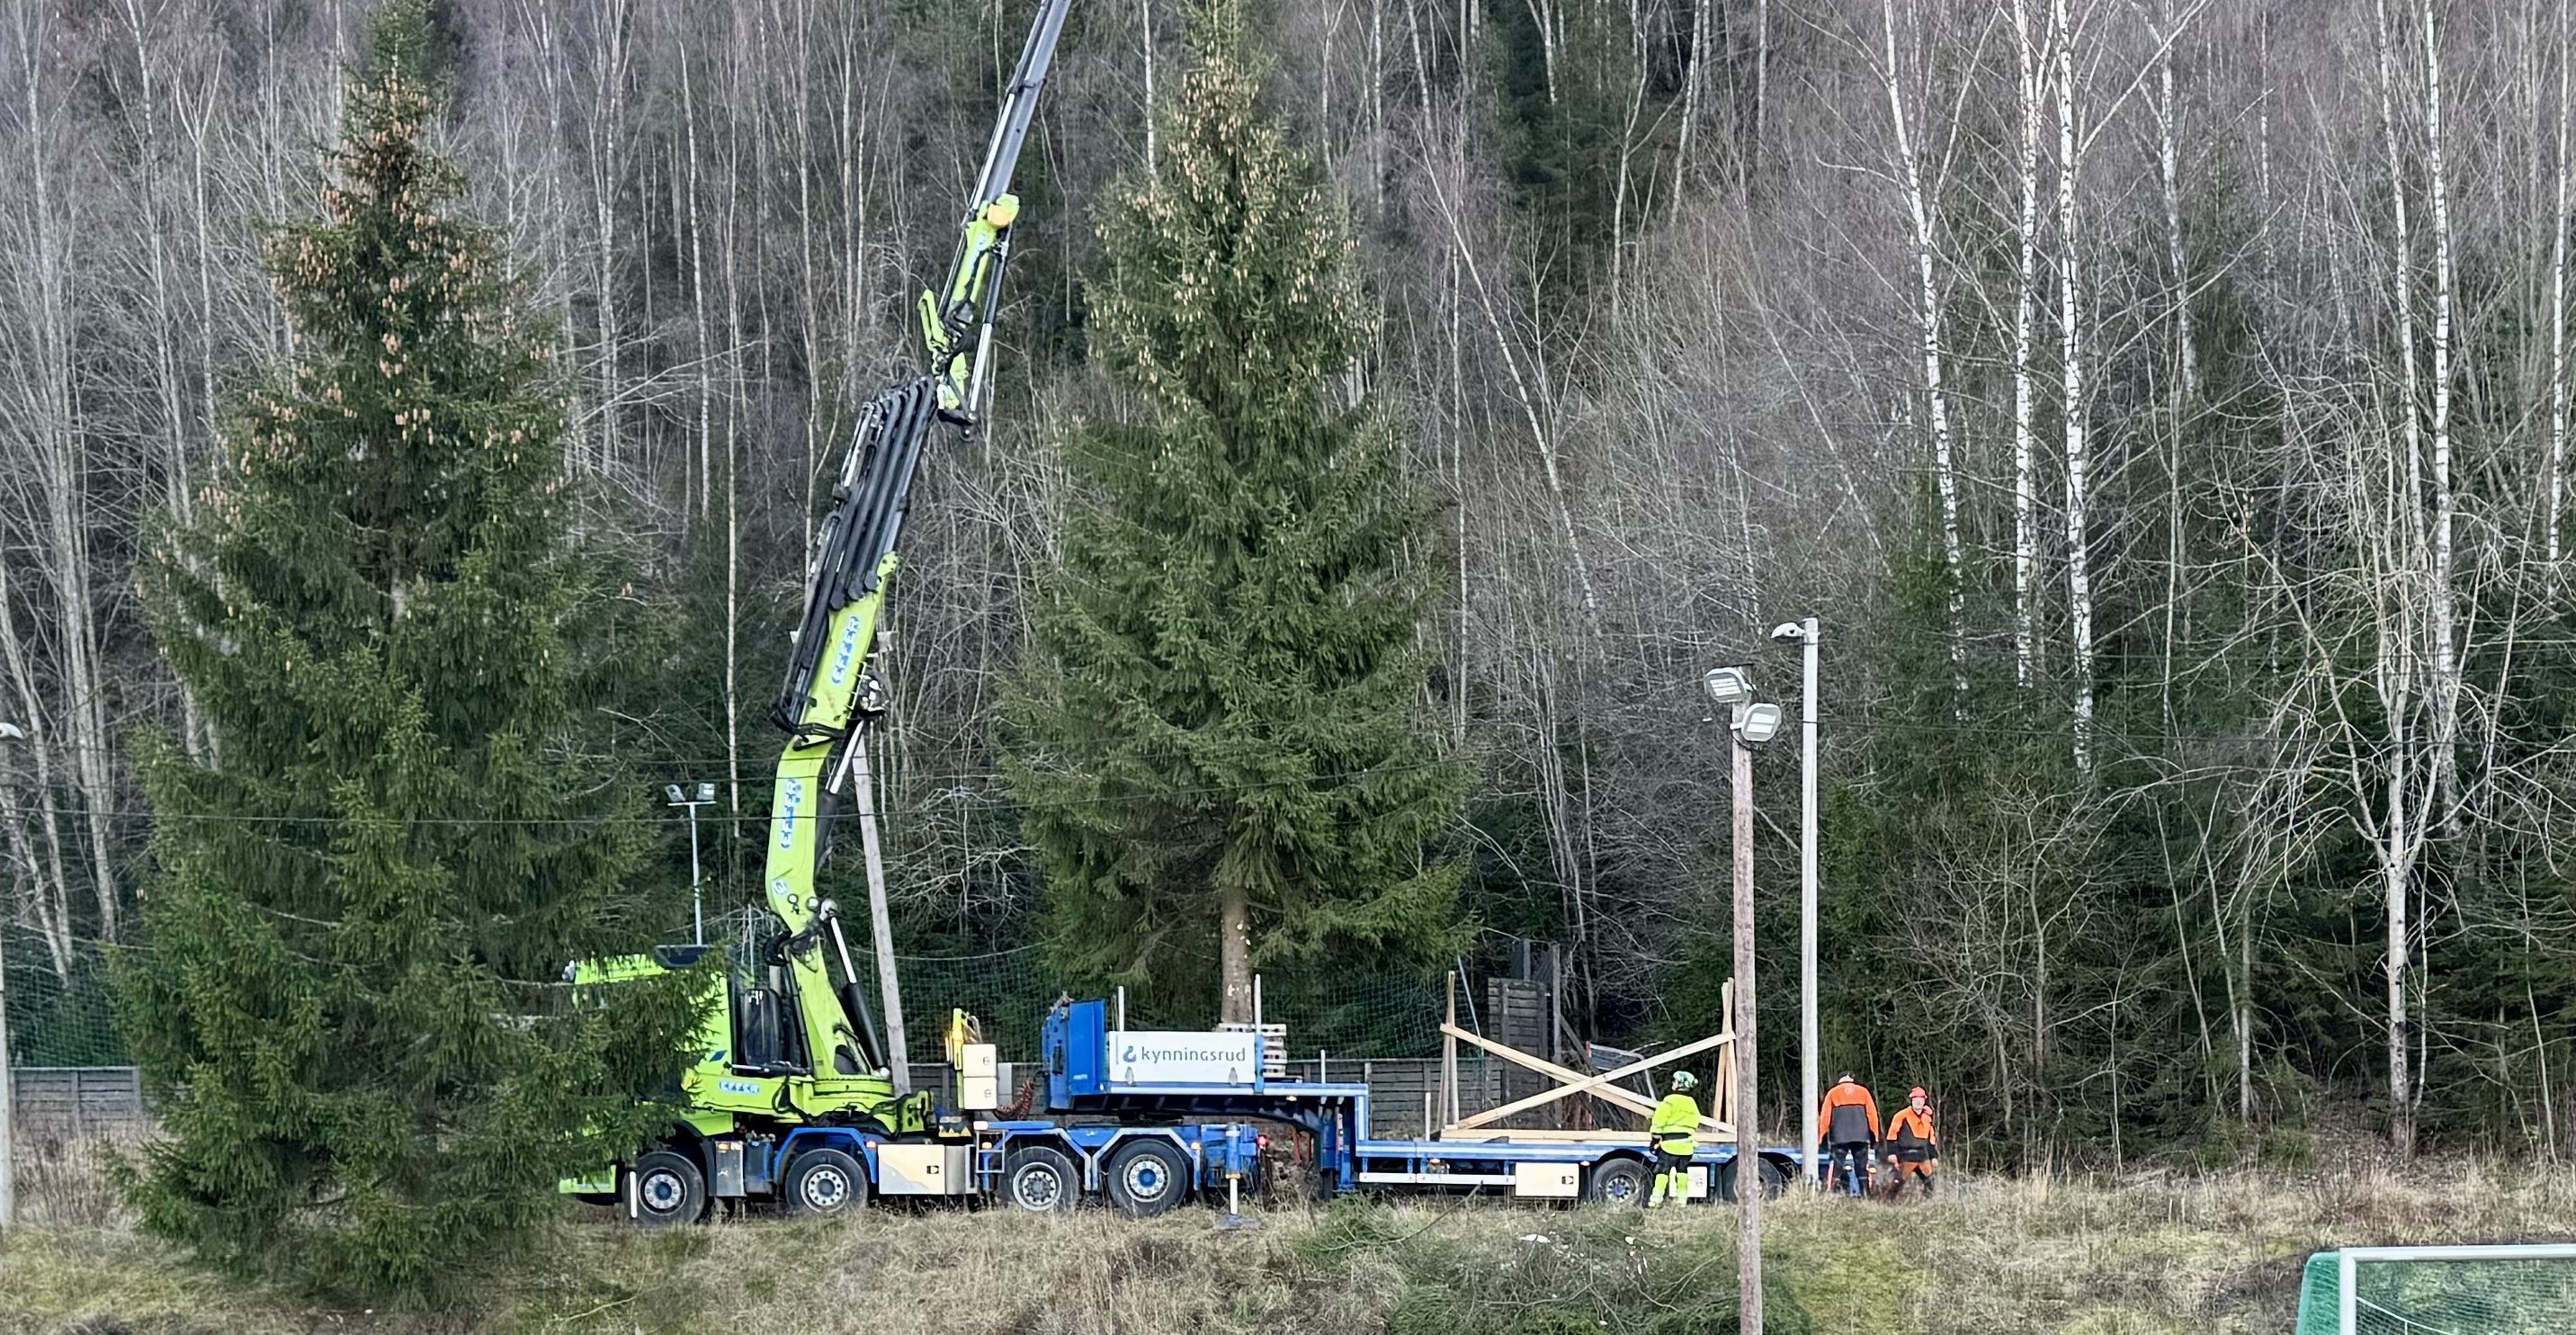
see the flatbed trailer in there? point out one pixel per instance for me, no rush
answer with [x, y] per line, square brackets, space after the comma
[1223, 1079]
[1141, 1121]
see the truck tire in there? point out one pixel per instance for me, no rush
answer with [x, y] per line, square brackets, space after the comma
[669, 1189]
[1147, 1177]
[1623, 1182]
[1041, 1180]
[822, 1183]
[1775, 1180]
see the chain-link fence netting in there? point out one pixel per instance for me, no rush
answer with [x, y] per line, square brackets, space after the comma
[58, 1008]
[2440, 1291]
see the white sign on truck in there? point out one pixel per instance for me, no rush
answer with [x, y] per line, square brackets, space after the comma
[1172, 1057]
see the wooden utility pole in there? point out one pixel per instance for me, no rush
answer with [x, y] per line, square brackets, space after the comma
[1748, 1159]
[880, 919]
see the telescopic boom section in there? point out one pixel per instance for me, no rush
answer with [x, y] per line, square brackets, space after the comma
[831, 691]
[957, 320]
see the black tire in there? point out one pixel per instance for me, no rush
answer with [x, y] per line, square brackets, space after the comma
[669, 1189]
[1775, 1182]
[1040, 1179]
[1147, 1177]
[1620, 1182]
[823, 1183]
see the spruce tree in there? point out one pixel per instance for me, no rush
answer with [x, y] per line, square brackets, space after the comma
[350, 999]
[1219, 735]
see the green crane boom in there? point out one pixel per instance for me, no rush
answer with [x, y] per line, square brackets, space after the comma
[831, 693]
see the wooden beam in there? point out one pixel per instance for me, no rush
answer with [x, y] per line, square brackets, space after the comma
[1608, 1093]
[1497, 1135]
[1587, 1084]
[1449, 1055]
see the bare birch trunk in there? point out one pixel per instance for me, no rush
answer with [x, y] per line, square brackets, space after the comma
[706, 351]
[51, 905]
[50, 413]
[2079, 564]
[1145, 28]
[1928, 316]
[2441, 605]
[2397, 667]
[1692, 80]
[2557, 334]
[2025, 324]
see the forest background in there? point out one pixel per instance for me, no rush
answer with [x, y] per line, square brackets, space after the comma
[2163, 404]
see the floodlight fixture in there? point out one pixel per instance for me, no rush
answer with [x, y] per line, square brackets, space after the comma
[1789, 632]
[1728, 685]
[706, 792]
[672, 791]
[1760, 723]
[11, 732]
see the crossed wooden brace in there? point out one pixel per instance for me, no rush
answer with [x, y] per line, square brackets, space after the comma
[1571, 1083]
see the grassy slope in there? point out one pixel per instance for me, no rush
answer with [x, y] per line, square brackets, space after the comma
[2147, 1258]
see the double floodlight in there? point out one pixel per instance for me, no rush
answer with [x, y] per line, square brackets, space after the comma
[679, 797]
[1732, 688]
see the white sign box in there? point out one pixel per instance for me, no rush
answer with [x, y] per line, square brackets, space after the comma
[1171, 1057]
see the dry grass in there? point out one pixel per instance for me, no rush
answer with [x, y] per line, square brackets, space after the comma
[2147, 1256]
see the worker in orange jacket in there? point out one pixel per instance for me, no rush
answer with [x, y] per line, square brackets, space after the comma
[1847, 1125]
[1913, 1147]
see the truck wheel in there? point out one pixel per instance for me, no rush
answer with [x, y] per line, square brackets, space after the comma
[1775, 1180]
[1148, 1177]
[1618, 1182]
[824, 1182]
[1040, 1180]
[669, 1189]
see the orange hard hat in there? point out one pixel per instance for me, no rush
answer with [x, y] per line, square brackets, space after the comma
[1916, 1093]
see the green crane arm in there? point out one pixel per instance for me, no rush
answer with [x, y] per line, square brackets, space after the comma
[830, 692]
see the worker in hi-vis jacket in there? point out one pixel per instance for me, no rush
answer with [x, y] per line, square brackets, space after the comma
[1674, 1130]
[1847, 1124]
[1913, 1147]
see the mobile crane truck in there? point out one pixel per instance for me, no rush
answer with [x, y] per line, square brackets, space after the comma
[791, 1099]
[792, 1071]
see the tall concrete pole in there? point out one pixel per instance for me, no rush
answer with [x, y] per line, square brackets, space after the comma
[1748, 1162]
[1810, 1068]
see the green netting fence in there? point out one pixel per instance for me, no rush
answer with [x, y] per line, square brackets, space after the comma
[61, 1016]
[2505, 1290]
[58, 1009]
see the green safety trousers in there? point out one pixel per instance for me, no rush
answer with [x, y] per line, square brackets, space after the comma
[1672, 1170]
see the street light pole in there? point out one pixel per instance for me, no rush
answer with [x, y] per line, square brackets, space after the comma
[700, 795]
[1748, 1162]
[1810, 1065]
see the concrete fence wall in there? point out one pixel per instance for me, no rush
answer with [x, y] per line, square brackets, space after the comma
[74, 1100]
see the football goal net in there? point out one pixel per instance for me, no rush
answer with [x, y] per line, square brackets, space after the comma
[2503, 1290]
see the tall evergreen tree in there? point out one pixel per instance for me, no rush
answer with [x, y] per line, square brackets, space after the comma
[350, 1002]
[1220, 736]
